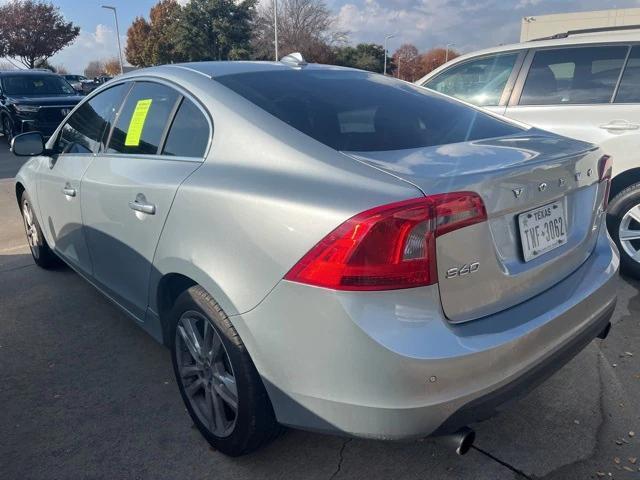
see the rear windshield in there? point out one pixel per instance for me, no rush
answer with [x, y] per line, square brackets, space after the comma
[36, 85]
[361, 111]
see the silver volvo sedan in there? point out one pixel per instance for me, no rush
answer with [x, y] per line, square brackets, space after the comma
[326, 248]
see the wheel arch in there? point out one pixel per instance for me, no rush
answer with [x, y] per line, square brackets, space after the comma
[19, 191]
[168, 284]
[623, 180]
[169, 288]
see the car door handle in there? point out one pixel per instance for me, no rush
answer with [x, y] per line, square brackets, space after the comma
[141, 205]
[69, 192]
[620, 125]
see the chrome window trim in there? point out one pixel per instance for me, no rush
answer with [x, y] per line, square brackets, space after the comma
[156, 156]
[183, 93]
[58, 131]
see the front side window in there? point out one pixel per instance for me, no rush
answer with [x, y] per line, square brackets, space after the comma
[480, 82]
[142, 122]
[629, 89]
[86, 129]
[362, 111]
[579, 75]
[36, 85]
[189, 133]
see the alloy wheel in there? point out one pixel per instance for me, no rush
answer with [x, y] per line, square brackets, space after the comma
[30, 228]
[629, 232]
[206, 373]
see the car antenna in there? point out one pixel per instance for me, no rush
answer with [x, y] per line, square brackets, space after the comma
[294, 59]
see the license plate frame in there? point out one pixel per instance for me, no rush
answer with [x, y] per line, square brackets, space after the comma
[542, 229]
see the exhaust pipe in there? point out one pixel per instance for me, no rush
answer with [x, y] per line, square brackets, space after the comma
[461, 441]
[605, 331]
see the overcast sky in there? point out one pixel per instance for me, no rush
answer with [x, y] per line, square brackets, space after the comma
[426, 23]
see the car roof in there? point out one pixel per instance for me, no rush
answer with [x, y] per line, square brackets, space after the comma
[13, 73]
[571, 39]
[214, 69]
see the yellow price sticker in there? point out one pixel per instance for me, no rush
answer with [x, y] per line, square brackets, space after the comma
[136, 125]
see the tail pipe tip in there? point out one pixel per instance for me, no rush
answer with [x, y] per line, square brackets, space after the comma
[605, 331]
[461, 441]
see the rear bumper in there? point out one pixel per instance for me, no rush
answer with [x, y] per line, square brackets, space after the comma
[388, 365]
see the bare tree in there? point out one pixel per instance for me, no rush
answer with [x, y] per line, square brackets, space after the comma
[304, 26]
[94, 68]
[407, 62]
[61, 69]
[4, 66]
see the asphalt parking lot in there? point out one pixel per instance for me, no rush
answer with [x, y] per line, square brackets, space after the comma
[86, 394]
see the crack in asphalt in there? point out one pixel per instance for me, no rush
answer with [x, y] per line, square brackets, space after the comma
[502, 462]
[340, 458]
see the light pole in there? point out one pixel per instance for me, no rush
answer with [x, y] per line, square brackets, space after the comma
[387, 37]
[275, 25]
[115, 14]
[446, 53]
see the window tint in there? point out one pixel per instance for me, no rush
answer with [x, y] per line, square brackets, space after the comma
[573, 75]
[143, 119]
[189, 134]
[361, 111]
[629, 89]
[36, 85]
[480, 81]
[86, 129]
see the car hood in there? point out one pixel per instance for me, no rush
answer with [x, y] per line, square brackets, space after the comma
[65, 100]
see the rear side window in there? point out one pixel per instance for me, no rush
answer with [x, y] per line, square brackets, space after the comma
[360, 111]
[629, 89]
[144, 117]
[86, 129]
[582, 75]
[480, 81]
[189, 133]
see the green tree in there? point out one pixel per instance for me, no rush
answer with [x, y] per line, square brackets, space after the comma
[215, 30]
[32, 31]
[365, 56]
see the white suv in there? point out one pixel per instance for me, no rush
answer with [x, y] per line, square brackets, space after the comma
[583, 84]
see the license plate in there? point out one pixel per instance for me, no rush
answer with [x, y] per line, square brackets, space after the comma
[542, 229]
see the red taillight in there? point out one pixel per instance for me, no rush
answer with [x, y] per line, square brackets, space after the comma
[388, 247]
[605, 167]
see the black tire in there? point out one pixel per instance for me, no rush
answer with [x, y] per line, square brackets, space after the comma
[42, 255]
[254, 421]
[619, 206]
[7, 129]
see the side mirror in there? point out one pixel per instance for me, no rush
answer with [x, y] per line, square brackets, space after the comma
[28, 144]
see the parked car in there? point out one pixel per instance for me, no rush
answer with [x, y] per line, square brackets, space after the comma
[583, 84]
[89, 86]
[75, 81]
[34, 100]
[327, 248]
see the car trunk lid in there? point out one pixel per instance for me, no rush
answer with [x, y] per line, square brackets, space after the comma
[482, 267]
